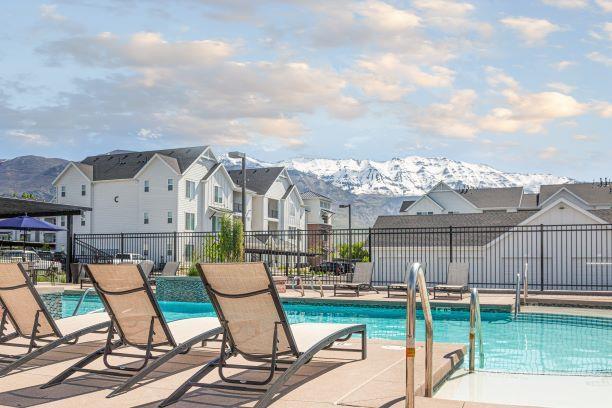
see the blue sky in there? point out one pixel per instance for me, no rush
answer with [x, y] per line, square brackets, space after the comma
[520, 85]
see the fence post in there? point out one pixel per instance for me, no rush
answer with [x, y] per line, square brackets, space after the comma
[450, 239]
[542, 257]
[370, 245]
[174, 245]
[121, 244]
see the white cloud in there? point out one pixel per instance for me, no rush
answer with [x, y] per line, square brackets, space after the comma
[548, 153]
[389, 77]
[561, 87]
[582, 138]
[451, 16]
[563, 65]
[454, 119]
[148, 134]
[603, 109]
[606, 5]
[600, 58]
[27, 138]
[531, 30]
[496, 77]
[49, 11]
[567, 4]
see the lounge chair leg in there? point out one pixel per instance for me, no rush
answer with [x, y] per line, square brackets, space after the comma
[186, 386]
[64, 375]
[364, 345]
[48, 347]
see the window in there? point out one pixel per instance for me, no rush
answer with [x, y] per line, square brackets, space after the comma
[146, 217]
[170, 184]
[63, 191]
[63, 221]
[216, 223]
[189, 221]
[326, 205]
[83, 190]
[218, 195]
[292, 210]
[169, 249]
[190, 188]
[82, 220]
[169, 217]
[146, 186]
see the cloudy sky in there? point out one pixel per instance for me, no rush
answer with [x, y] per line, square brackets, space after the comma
[523, 85]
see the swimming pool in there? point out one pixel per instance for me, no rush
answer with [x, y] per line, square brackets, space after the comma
[532, 343]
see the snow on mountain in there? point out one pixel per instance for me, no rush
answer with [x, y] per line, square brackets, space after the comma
[408, 176]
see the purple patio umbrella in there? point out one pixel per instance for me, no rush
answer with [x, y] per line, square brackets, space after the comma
[25, 223]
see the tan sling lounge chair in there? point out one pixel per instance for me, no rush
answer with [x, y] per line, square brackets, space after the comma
[456, 279]
[255, 327]
[25, 316]
[402, 287]
[138, 322]
[362, 279]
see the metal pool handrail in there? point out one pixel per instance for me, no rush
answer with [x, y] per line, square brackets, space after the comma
[517, 295]
[417, 276]
[475, 329]
[83, 296]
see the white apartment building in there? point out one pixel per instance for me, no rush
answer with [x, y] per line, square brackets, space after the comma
[276, 203]
[172, 190]
[319, 213]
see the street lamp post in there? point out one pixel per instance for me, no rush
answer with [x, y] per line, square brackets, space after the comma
[242, 156]
[350, 230]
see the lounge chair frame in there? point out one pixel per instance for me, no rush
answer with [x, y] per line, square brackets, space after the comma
[357, 287]
[448, 289]
[229, 349]
[34, 349]
[149, 362]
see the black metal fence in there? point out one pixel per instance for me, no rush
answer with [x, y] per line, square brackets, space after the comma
[558, 257]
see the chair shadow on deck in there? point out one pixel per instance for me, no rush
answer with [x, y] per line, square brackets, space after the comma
[212, 397]
[90, 383]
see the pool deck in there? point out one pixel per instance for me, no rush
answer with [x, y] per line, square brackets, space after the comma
[333, 378]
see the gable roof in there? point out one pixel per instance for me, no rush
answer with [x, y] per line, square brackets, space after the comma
[493, 197]
[308, 195]
[406, 204]
[490, 218]
[530, 200]
[259, 180]
[126, 165]
[588, 192]
[85, 169]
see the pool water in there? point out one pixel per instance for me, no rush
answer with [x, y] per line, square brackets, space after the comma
[532, 343]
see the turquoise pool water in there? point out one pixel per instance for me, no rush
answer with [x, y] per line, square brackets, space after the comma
[532, 343]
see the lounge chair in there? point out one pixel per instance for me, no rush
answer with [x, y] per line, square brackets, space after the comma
[147, 268]
[456, 279]
[25, 316]
[402, 287]
[256, 328]
[362, 279]
[170, 269]
[138, 322]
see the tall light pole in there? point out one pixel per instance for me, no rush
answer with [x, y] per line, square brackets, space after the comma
[242, 156]
[350, 228]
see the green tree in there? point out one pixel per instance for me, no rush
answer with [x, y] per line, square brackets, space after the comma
[226, 246]
[358, 252]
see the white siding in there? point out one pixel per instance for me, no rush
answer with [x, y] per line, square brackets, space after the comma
[116, 207]
[73, 179]
[195, 173]
[158, 201]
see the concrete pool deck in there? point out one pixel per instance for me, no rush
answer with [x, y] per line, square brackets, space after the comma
[333, 378]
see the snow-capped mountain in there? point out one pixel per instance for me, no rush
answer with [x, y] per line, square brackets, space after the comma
[408, 176]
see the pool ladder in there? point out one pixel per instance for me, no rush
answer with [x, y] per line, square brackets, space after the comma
[83, 296]
[475, 330]
[416, 277]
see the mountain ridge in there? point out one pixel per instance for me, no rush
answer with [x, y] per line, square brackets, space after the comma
[373, 188]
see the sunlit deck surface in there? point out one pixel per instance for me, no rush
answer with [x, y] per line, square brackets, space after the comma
[332, 378]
